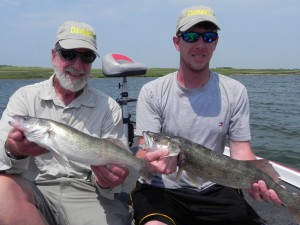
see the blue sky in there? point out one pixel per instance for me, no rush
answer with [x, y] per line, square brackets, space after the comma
[254, 33]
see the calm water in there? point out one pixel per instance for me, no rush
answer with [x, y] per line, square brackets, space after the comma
[274, 102]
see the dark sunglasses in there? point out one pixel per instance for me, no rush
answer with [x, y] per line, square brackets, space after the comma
[71, 55]
[192, 37]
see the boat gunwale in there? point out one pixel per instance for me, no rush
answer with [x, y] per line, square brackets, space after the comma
[287, 174]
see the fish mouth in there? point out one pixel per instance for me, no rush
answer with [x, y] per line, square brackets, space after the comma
[22, 123]
[16, 121]
[147, 141]
[146, 138]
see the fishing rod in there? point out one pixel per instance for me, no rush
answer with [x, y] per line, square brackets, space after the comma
[119, 65]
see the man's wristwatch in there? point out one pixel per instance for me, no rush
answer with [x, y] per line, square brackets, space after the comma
[10, 155]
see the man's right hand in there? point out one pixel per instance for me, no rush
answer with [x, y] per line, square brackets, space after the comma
[159, 161]
[18, 145]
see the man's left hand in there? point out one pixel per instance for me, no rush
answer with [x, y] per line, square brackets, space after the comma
[260, 192]
[110, 176]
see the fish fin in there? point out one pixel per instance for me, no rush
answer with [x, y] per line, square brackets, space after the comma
[267, 167]
[60, 159]
[179, 173]
[146, 175]
[194, 179]
[294, 208]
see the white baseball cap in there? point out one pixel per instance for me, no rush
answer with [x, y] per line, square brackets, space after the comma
[72, 34]
[193, 15]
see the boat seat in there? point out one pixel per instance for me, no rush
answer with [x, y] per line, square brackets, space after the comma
[118, 65]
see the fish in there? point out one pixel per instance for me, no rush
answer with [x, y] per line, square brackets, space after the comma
[201, 162]
[67, 143]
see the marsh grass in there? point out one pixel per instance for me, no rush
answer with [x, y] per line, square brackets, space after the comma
[13, 72]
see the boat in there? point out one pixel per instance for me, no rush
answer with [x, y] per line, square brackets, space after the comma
[119, 65]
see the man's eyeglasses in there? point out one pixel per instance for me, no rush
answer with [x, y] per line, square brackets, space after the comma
[192, 37]
[71, 55]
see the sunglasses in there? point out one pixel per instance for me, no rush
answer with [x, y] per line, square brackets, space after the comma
[71, 55]
[192, 37]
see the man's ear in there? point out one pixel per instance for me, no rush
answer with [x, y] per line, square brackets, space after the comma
[216, 43]
[53, 54]
[176, 42]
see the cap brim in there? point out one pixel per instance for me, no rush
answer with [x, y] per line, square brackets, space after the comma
[73, 43]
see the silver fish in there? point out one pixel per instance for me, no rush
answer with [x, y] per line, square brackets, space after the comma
[199, 161]
[67, 143]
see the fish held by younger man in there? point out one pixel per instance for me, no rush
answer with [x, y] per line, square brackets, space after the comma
[201, 162]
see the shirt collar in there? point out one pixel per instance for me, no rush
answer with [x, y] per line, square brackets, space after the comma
[87, 97]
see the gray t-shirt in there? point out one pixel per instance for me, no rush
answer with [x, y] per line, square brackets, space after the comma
[207, 115]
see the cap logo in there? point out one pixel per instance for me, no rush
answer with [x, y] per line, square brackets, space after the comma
[194, 12]
[81, 31]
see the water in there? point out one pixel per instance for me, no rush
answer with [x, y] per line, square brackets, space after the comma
[274, 104]
[274, 117]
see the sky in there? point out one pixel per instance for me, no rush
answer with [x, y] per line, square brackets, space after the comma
[255, 34]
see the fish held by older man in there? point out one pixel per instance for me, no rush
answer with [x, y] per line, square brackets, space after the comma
[67, 143]
[201, 162]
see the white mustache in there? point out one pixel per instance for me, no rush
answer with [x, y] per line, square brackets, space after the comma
[72, 70]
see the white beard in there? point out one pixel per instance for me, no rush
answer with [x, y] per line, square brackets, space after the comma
[67, 83]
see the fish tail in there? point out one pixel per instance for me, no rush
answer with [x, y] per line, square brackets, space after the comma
[294, 208]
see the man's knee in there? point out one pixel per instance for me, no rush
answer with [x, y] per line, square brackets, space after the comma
[13, 190]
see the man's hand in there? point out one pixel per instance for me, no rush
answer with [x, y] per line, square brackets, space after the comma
[158, 161]
[110, 175]
[260, 192]
[18, 145]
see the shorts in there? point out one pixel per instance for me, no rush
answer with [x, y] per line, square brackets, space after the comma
[66, 201]
[215, 205]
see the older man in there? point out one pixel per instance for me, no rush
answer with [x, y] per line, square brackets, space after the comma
[35, 188]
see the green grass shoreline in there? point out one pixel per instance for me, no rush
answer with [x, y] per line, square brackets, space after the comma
[13, 72]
